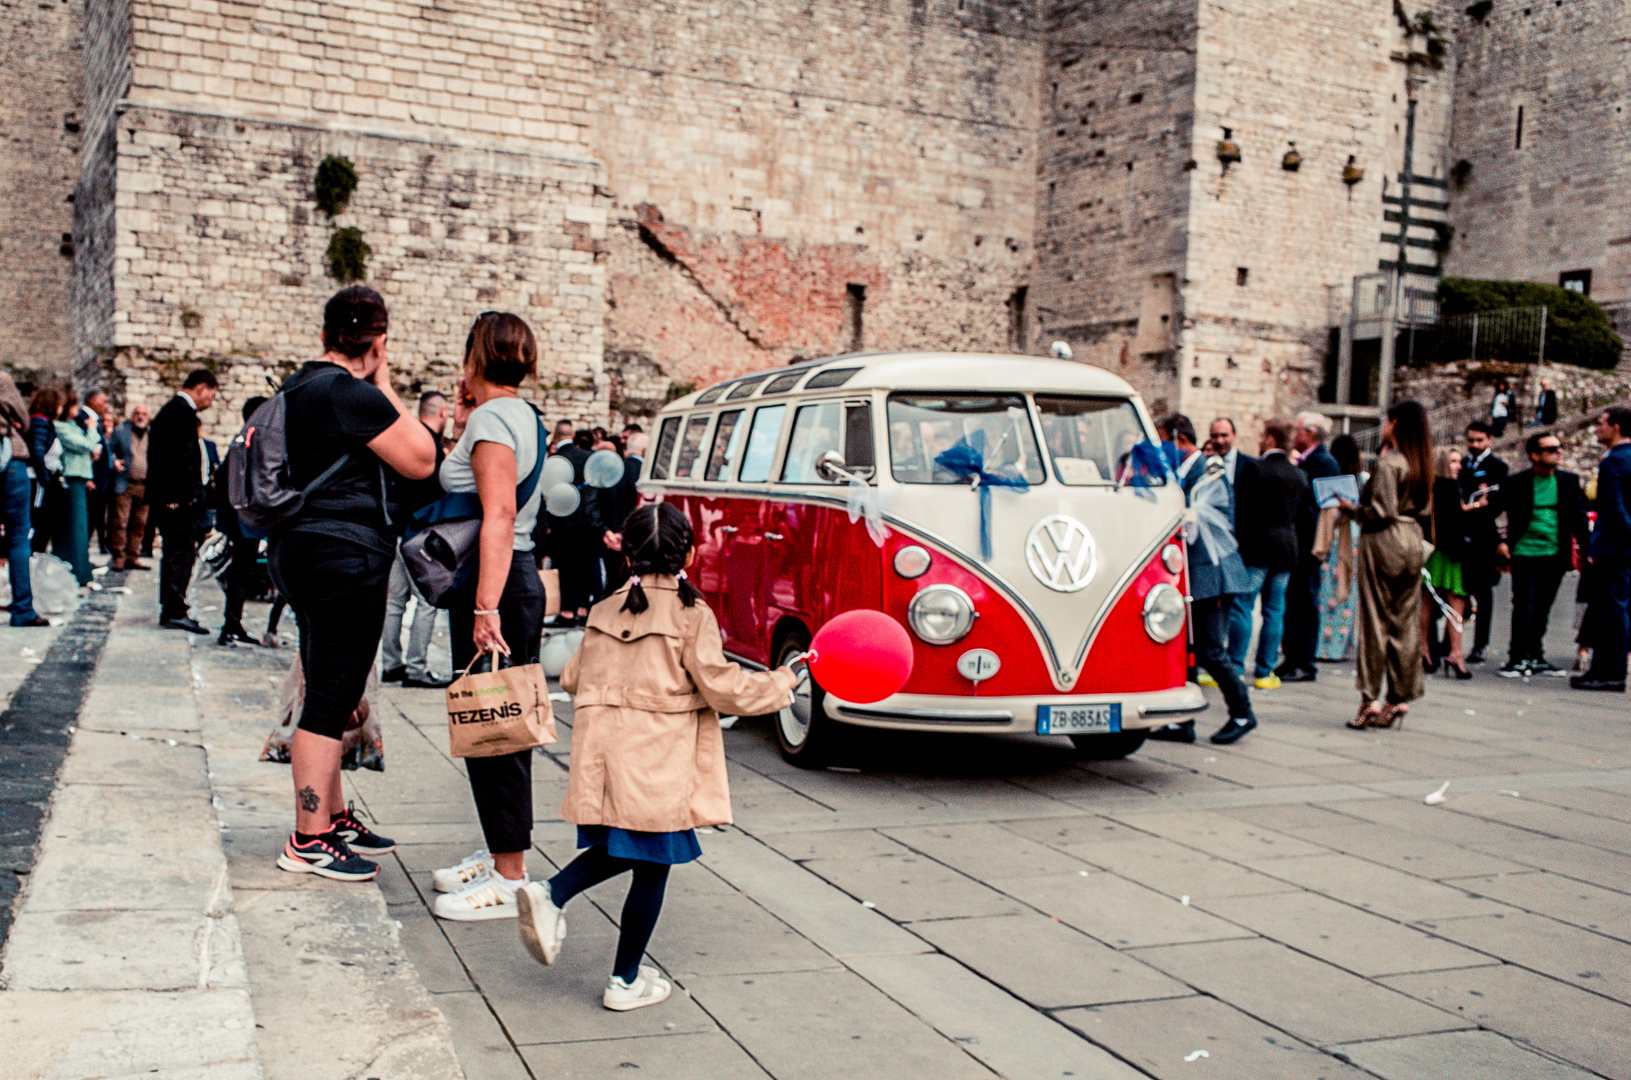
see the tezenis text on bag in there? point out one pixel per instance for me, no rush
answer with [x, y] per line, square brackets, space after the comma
[481, 716]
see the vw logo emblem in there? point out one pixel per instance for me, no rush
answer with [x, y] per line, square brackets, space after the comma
[1061, 553]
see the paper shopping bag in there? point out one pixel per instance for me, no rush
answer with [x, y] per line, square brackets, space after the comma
[552, 591]
[500, 711]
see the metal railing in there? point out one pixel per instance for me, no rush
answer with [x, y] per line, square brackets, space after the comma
[1446, 423]
[1516, 335]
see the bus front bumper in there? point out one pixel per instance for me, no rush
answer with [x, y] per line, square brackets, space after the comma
[930, 712]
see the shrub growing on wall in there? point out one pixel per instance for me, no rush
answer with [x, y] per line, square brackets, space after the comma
[1577, 330]
[335, 181]
[347, 256]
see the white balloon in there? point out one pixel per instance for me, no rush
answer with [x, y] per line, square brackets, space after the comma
[604, 469]
[557, 470]
[556, 652]
[562, 500]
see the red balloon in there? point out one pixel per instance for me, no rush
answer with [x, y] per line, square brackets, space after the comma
[861, 656]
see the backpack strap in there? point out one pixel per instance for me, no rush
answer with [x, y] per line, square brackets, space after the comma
[326, 475]
[530, 484]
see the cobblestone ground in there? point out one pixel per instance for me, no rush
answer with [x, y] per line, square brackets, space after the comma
[958, 907]
[961, 907]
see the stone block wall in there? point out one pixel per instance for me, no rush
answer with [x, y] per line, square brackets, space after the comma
[800, 179]
[220, 256]
[41, 121]
[509, 72]
[1113, 185]
[1560, 201]
[1272, 253]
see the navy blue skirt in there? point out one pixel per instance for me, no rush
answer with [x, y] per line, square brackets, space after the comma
[668, 848]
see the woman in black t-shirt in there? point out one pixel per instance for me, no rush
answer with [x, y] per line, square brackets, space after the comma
[332, 562]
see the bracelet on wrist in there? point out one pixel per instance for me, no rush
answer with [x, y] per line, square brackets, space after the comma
[479, 611]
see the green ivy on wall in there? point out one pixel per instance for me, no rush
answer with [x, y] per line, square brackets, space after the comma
[347, 256]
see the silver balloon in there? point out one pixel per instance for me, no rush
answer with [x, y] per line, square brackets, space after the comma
[562, 500]
[557, 470]
[604, 469]
[556, 652]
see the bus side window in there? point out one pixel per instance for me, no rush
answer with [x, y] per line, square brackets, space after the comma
[686, 468]
[665, 448]
[816, 430]
[726, 440]
[762, 438]
[859, 457]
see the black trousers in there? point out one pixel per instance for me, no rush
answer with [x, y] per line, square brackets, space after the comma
[1480, 580]
[337, 590]
[502, 785]
[576, 554]
[1302, 617]
[177, 531]
[235, 581]
[1211, 647]
[1534, 587]
[1610, 619]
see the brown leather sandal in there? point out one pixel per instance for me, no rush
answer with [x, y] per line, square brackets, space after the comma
[1394, 713]
[1366, 717]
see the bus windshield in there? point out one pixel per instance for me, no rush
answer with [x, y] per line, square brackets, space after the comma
[923, 426]
[1091, 439]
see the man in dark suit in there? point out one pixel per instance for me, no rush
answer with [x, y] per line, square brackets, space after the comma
[176, 483]
[1301, 640]
[1546, 405]
[1282, 490]
[1481, 470]
[609, 507]
[574, 547]
[1241, 470]
[1545, 517]
[1610, 552]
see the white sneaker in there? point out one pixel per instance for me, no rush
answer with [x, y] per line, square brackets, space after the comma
[488, 897]
[649, 987]
[468, 869]
[543, 925]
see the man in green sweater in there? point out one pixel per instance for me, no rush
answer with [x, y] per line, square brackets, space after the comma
[1545, 518]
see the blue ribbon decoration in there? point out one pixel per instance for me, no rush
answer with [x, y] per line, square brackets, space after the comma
[1146, 468]
[967, 458]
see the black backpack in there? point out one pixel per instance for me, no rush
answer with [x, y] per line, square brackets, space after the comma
[257, 467]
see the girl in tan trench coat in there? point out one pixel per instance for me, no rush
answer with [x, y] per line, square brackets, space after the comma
[648, 760]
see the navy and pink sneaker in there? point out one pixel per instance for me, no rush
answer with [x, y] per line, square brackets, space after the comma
[327, 856]
[357, 836]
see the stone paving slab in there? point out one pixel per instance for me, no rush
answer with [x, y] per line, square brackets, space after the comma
[815, 1025]
[1046, 963]
[1008, 1036]
[1576, 903]
[1120, 913]
[1366, 885]
[1315, 1001]
[1167, 1038]
[1590, 961]
[1340, 934]
[1578, 1026]
[1458, 1053]
[711, 1055]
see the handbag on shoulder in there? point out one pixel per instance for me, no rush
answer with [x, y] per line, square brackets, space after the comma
[444, 537]
[499, 711]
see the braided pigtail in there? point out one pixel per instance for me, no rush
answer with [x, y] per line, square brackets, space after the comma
[657, 539]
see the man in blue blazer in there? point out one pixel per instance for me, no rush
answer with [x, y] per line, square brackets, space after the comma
[1611, 557]
[1302, 620]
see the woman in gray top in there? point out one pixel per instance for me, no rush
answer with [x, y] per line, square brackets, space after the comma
[504, 609]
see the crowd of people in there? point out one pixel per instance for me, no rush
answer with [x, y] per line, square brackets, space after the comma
[1390, 577]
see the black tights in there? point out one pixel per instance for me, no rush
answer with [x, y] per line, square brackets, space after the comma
[640, 910]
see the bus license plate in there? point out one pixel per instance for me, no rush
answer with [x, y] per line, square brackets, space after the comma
[1077, 719]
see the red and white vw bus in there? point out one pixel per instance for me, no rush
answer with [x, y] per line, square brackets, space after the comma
[985, 501]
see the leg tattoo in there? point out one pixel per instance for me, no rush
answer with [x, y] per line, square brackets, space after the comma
[309, 802]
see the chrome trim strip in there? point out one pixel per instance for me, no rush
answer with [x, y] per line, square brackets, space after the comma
[1173, 710]
[745, 662]
[970, 563]
[932, 716]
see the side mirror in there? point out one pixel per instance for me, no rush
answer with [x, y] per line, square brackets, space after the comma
[830, 467]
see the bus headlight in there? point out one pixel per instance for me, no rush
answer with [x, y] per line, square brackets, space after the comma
[941, 614]
[1164, 613]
